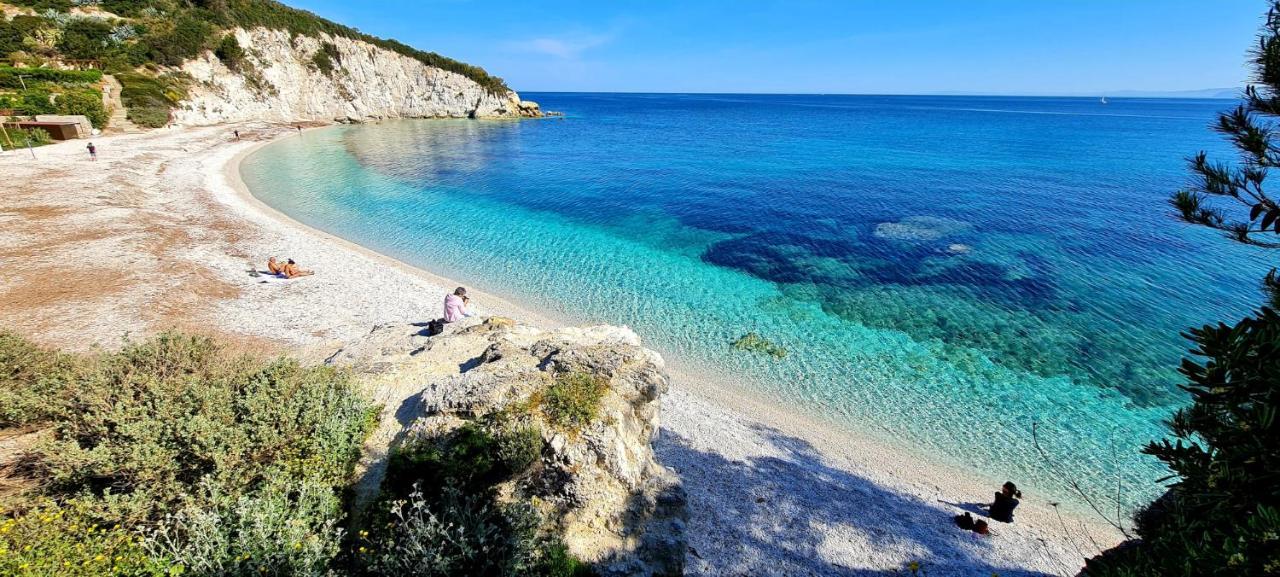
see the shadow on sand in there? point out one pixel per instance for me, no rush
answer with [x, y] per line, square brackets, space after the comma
[793, 514]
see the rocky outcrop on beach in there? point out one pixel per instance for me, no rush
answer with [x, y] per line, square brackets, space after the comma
[598, 485]
[286, 78]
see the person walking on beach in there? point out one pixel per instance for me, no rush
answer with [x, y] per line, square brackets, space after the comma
[237, 132]
[1006, 501]
[93, 152]
[455, 305]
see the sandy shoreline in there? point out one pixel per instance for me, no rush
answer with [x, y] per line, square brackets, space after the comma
[771, 492]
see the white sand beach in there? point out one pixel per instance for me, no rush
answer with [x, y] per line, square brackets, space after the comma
[160, 233]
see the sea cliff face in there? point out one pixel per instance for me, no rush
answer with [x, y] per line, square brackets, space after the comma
[281, 80]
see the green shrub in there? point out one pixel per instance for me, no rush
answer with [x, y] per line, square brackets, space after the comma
[230, 52]
[1222, 515]
[163, 424]
[573, 400]
[278, 529]
[149, 99]
[517, 446]
[33, 101]
[180, 41]
[22, 138]
[326, 58]
[84, 102]
[230, 465]
[34, 76]
[30, 376]
[456, 534]
[467, 458]
[63, 541]
[85, 38]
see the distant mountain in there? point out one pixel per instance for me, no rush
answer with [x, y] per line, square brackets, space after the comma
[1231, 93]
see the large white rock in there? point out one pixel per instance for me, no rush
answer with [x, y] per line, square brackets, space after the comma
[367, 82]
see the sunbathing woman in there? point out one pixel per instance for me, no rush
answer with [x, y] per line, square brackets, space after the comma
[291, 270]
[274, 266]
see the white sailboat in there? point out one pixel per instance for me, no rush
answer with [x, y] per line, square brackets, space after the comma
[1104, 99]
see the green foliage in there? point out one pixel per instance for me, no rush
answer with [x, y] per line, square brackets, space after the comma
[439, 514]
[473, 457]
[460, 534]
[22, 138]
[150, 98]
[230, 52]
[85, 102]
[36, 76]
[30, 375]
[1231, 198]
[171, 44]
[1222, 515]
[162, 422]
[226, 465]
[63, 541]
[85, 38]
[517, 446]
[271, 14]
[278, 529]
[42, 5]
[573, 400]
[326, 58]
[35, 100]
[754, 343]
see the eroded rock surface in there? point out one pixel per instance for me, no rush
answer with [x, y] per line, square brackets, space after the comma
[599, 485]
[282, 83]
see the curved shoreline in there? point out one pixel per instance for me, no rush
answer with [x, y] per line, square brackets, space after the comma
[702, 407]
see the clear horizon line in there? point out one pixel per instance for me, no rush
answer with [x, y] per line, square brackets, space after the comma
[1126, 93]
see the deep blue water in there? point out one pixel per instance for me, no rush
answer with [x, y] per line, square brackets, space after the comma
[943, 271]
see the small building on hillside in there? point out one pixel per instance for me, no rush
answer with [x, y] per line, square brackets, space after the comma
[56, 130]
[83, 126]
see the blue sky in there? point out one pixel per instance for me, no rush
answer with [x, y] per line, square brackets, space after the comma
[829, 46]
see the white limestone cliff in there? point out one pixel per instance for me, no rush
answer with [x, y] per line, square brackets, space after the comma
[282, 83]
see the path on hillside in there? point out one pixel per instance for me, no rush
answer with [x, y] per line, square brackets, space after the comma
[119, 122]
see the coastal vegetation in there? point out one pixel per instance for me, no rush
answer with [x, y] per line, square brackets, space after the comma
[126, 35]
[1221, 514]
[175, 456]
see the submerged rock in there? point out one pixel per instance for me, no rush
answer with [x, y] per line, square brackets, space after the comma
[921, 228]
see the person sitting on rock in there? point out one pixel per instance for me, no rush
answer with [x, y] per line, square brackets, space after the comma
[291, 270]
[1006, 501]
[455, 305]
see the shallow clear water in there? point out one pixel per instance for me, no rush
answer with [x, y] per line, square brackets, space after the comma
[943, 271]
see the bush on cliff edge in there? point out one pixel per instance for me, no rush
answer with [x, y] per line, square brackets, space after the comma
[220, 464]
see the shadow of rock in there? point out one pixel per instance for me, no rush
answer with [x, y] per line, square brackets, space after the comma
[787, 511]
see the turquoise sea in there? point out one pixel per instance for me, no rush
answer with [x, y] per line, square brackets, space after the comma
[943, 271]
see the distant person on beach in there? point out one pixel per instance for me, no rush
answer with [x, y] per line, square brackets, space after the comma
[291, 270]
[1006, 501]
[237, 132]
[455, 305]
[93, 152]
